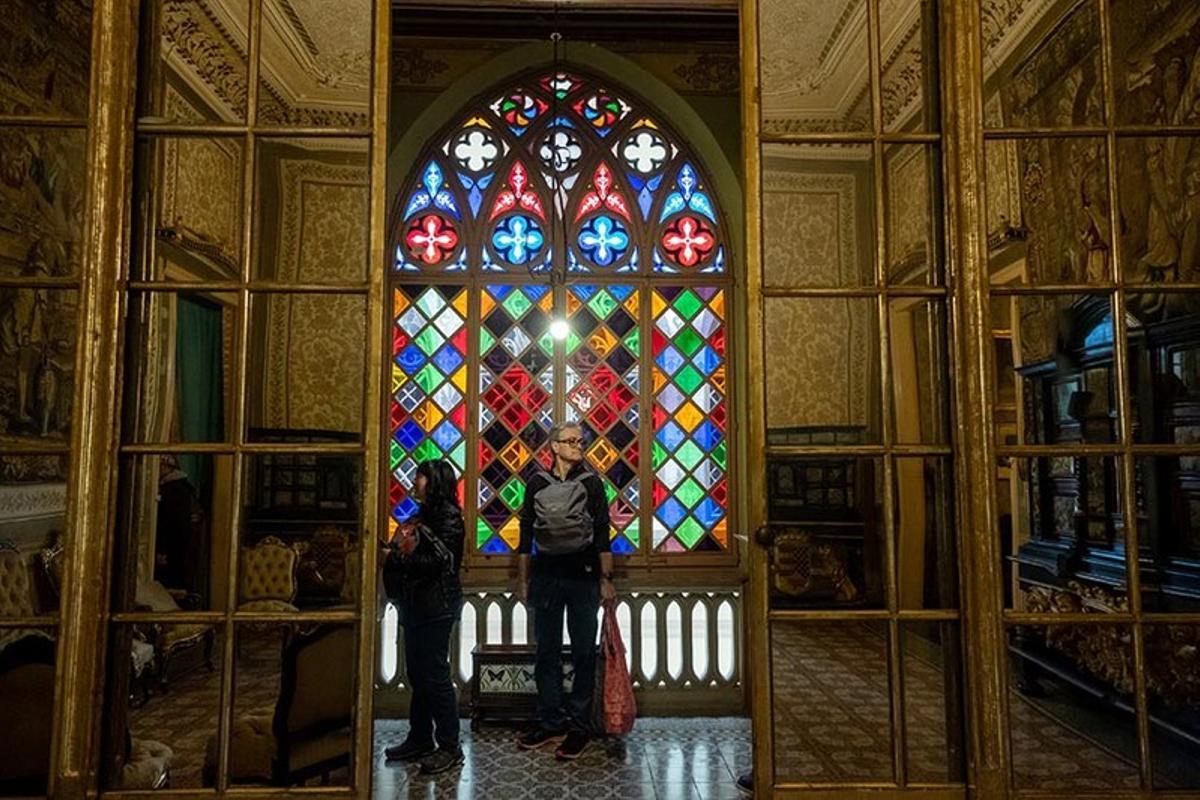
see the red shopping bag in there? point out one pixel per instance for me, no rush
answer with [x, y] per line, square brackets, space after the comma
[619, 705]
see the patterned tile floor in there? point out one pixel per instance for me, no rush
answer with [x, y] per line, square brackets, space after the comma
[662, 759]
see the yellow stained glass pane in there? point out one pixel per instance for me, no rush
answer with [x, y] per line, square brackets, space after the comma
[688, 416]
[511, 532]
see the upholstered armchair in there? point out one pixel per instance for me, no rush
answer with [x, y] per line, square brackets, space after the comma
[18, 597]
[170, 639]
[308, 732]
[267, 579]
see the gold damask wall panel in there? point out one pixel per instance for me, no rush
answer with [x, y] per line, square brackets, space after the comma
[313, 356]
[913, 214]
[312, 211]
[817, 216]
[822, 362]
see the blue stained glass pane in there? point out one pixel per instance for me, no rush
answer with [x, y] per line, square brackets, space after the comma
[709, 512]
[409, 435]
[448, 359]
[622, 546]
[410, 396]
[706, 360]
[645, 200]
[406, 509]
[537, 292]
[671, 512]
[670, 360]
[495, 545]
[410, 359]
[475, 198]
[500, 292]
[671, 436]
[584, 293]
[446, 435]
[621, 291]
[707, 435]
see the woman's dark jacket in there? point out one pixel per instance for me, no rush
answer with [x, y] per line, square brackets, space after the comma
[425, 584]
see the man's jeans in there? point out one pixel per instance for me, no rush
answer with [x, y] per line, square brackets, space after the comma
[548, 596]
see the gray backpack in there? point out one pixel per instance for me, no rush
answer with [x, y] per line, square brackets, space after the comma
[562, 523]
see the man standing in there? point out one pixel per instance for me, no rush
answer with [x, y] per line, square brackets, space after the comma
[565, 519]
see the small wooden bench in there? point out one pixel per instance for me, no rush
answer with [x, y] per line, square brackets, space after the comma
[503, 687]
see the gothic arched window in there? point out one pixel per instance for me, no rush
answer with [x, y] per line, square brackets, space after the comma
[560, 196]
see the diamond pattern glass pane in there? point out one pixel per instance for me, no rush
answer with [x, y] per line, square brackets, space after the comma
[689, 452]
[602, 364]
[428, 386]
[516, 406]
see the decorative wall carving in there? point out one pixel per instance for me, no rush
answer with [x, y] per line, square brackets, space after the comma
[720, 72]
[195, 39]
[901, 89]
[412, 66]
[315, 351]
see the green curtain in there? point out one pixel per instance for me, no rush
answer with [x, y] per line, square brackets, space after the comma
[198, 375]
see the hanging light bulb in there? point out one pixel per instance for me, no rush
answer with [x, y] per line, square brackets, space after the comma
[560, 328]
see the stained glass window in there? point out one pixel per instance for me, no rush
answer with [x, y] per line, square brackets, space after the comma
[564, 175]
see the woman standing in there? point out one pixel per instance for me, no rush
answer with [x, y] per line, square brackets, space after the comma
[420, 574]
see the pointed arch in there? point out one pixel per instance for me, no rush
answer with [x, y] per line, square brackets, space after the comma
[566, 168]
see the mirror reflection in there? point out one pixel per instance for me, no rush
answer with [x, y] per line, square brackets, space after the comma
[173, 550]
[818, 215]
[181, 367]
[315, 63]
[193, 62]
[189, 218]
[307, 366]
[1069, 706]
[311, 211]
[814, 66]
[163, 708]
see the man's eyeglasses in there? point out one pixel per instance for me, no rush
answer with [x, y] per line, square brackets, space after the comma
[573, 442]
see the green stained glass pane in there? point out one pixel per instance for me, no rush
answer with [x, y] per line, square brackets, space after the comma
[688, 304]
[631, 342]
[430, 303]
[602, 304]
[689, 493]
[426, 451]
[718, 455]
[546, 342]
[688, 379]
[513, 493]
[428, 378]
[689, 454]
[397, 454]
[658, 455]
[483, 532]
[573, 342]
[690, 532]
[610, 491]
[429, 340]
[516, 304]
[688, 341]
[486, 340]
[459, 455]
[634, 533]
